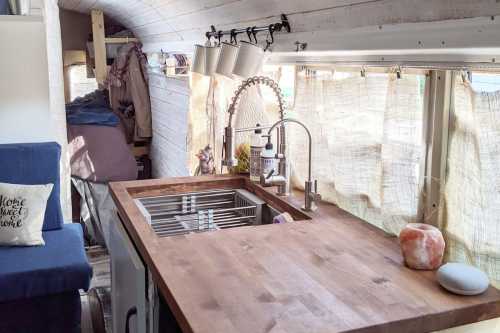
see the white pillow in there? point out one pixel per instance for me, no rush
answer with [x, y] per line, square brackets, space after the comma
[22, 211]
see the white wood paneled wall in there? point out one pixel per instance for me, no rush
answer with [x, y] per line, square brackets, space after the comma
[175, 25]
[50, 12]
[169, 106]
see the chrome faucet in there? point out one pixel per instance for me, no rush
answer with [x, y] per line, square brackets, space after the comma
[229, 132]
[310, 195]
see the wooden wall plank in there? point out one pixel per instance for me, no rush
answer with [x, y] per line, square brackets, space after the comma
[169, 24]
[169, 107]
[86, 6]
[69, 4]
[235, 13]
[177, 8]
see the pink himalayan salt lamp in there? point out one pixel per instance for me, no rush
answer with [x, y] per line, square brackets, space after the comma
[422, 246]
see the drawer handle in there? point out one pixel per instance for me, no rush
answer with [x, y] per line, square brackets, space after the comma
[131, 312]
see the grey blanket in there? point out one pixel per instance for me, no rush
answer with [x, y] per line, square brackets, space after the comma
[97, 211]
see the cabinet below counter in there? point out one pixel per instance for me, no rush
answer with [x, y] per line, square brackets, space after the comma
[330, 272]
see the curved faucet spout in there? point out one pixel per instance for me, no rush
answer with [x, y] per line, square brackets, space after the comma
[291, 120]
[229, 131]
[256, 80]
[311, 194]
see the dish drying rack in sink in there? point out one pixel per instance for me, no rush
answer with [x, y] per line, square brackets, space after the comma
[178, 214]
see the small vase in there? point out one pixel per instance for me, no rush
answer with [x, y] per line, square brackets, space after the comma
[422, 246]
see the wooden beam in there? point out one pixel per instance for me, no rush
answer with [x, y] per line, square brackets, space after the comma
[99, 45]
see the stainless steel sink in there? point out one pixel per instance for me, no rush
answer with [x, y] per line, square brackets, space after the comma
[183, 213]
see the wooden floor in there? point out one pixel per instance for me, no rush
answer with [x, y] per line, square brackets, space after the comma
[101, 282]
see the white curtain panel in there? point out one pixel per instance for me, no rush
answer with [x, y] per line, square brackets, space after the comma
[472, 191]
[367, 142]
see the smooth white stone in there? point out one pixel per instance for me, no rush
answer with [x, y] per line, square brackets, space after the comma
[462, 279]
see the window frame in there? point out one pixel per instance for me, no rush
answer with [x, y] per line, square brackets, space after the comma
[436, 125]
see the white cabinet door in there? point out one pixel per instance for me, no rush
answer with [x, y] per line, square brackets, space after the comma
[25, 114]
[128, 283]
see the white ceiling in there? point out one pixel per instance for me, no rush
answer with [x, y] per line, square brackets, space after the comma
[175, 25]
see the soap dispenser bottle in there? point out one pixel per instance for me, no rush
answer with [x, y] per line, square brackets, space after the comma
[256, 147]
[267, 158]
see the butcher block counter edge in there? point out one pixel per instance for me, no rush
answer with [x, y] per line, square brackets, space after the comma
[149, 246]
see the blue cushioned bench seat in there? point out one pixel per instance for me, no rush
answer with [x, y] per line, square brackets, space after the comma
[39, 285]
[59, 266]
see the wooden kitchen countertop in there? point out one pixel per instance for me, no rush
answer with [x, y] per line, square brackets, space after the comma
[334, 273]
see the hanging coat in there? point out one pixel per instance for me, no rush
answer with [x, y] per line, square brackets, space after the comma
[128, 83]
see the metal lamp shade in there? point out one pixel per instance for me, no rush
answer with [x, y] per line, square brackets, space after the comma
[211, 59]
[227, 59]
[198, 65]
[249, 60]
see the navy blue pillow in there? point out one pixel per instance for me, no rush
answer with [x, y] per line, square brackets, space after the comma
[35, 164]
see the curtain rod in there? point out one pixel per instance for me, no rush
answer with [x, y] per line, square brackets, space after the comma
[486, 66]
[250, 31]
[363, 69]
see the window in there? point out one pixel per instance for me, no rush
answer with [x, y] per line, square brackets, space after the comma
[485, 82]
[285, 76]
[79, 84]
[367, 141]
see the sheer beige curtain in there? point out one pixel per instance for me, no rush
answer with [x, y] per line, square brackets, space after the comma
[367, 142]
[471, 218]
[198, 119]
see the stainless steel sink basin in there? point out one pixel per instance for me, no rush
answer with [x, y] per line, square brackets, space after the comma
[217, 209]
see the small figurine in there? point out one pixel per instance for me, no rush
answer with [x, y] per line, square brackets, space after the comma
[206, 162]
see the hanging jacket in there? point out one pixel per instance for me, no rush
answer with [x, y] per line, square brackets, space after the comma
[128, 82]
